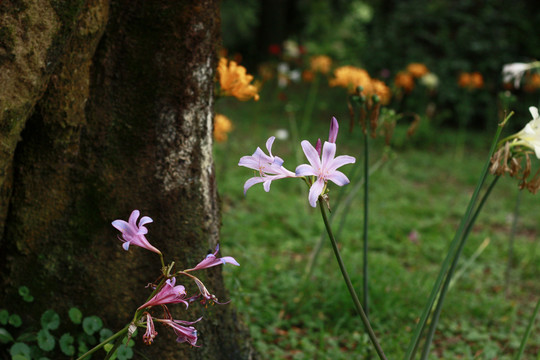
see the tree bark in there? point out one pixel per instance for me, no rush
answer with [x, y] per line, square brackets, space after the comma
[105, 107]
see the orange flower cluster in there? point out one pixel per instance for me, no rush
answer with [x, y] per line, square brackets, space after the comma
[472, 80]
[406, 79]
[321, 63]
[417, 70]
[222, 126]
[351, 78]
[235, 81]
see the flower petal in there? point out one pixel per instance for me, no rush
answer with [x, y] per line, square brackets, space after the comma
[328, 153]
[305, 170]
[252, 181]
[120, 225]
[315, 191]
[338, 178]
[340, 161]
[311, 155]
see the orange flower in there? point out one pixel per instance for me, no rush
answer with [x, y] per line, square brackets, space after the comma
[234, 81]
[532, 82]
[471, 80]
[381, 90]
[308, 75]
[222, 126]
[321, 63]
[404, 80]
[351, 77]
[417, 70]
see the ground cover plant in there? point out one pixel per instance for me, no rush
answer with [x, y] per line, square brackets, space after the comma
[416, 200]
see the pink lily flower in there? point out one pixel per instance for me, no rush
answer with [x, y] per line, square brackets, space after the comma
[211, 260]
[151, 332]
[324, 169]
[183, 333]
[270, 167]
[169, 294]
[133, 233]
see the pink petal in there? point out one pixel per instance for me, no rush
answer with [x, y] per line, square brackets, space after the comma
[328, 153]
[340, 161]
[311, 155]
[338, 178]
[334, 127]
[120, 225]
[305, 170]
[315, 191]
[252, 181]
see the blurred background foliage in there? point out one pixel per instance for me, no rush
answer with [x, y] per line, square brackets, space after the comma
[383, 36]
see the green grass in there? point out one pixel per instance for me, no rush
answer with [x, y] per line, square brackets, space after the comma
[425, 188]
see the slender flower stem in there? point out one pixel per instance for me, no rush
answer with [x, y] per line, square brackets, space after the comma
[413, 345]
[350, 287]
[105, 342]
[448, 279]
[528, 331]
[366, 212]
[511, 244]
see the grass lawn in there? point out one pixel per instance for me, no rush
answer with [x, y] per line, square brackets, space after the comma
[417, 198]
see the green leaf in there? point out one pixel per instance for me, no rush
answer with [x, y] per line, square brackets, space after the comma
[75, 315]
[27, 337]
[5, 336]
[83, 349]
[104, 334]
[20, 357]
[66, 344]
[24, 291]
[108, 347]
[45, 340]
[124, 352]
[4, 316]
[50, 320]
[15, 320]
[20, 349]
[91, 324]
[28, 298]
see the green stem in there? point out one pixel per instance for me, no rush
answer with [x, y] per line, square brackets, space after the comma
[366, 212]
[350, 287]
[511, 244]
[105, 342]
[448, 279]
[528, 331]
[411, 350]
[310, 103]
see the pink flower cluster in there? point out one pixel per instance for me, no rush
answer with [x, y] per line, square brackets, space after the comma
[168, 292]
[319, 170]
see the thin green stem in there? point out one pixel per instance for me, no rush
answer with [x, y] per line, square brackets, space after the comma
[348, 282]
[528, 331]
[453, 266]
[511, 244]
[105, 342]
[365, 233]
[413, 345]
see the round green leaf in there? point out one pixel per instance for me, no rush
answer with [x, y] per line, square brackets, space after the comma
[108, 347]
[27, 337]
[75, 315]
[28, 298]
[66, 344]
[20, 357]
[91, 324]
[104, 334]
[45, 340]
[4, 316]
[15, 320]
[5, 336]
[20, 349]
[124, 353]
[24, 291]
[50, 320]
[82, 349]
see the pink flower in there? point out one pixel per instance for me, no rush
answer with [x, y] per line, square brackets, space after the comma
[133, 233]
[169, 294]
[151, 332]
[183, 333]
[324, 169]
[211, 260]
[269, 167]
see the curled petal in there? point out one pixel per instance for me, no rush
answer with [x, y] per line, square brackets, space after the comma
[315, 191]
[339, 178]
[305, 170]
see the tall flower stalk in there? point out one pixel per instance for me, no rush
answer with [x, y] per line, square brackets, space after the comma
[453, 254]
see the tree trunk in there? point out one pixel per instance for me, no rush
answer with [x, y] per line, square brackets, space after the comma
[105, 107]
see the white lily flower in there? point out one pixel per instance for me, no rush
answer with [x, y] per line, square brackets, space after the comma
[515, 72]
[530, 135]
